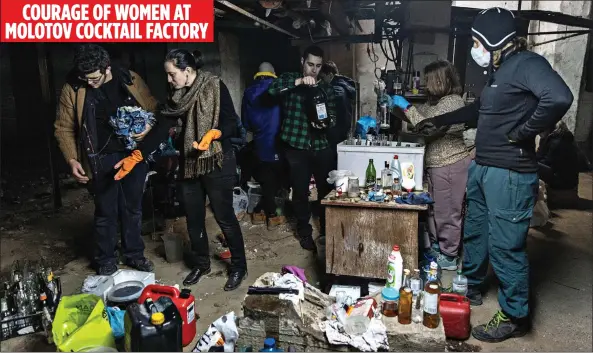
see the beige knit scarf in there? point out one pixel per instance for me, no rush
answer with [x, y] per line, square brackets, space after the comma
[198, 106]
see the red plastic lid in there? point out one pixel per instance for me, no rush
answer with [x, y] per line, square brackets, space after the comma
[395, 156]
[396, 248]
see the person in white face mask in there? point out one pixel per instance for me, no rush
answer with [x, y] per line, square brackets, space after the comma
[524, 97]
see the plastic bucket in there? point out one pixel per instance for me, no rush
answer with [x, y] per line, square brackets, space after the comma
[173, 248]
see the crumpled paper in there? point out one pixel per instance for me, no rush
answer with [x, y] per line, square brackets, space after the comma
[372, 340]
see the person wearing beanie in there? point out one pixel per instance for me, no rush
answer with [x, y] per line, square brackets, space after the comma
[524, 97]
[261, 115]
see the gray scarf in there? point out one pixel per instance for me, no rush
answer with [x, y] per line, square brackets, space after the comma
[199, 109]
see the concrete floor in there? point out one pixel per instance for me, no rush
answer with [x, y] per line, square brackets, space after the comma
[560, 254]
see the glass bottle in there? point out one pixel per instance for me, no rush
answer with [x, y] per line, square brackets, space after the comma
[371, 175]
[406, 280]
[416, 283]
[386, 176]
[460, 283]
[404, 309]
[432, 292]
[396, 188]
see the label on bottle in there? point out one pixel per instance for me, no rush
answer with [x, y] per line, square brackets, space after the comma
[460, 288]
[321, 111]
[191, 314]
[431, 303]
[391, 275]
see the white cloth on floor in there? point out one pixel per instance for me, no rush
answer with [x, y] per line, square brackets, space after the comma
[91, 282]
[291, 281]
[372, 340]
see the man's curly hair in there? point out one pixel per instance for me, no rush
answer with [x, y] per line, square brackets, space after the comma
[90, 58]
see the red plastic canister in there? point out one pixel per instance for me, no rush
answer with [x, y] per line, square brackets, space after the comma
[184, 301]
[455, 312]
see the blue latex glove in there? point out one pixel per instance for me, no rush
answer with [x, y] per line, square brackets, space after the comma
[400, 102]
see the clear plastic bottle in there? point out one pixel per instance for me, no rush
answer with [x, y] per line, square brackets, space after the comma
[460, 283]
[395, 268]
[396, 169]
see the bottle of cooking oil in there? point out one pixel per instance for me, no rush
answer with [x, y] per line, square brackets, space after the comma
[432, 292]
[404, 309]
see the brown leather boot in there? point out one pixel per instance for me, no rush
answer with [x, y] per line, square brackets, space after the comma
[258, 218]
[274, 222]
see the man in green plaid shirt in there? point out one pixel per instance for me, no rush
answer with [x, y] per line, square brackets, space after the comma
[305, 147]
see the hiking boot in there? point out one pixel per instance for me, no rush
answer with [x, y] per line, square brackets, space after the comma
[434, 251]
[474, 295]
[446, 262]
[500, 328]
[258, 218]
[142, 264]
[274, 222]
[106, 270]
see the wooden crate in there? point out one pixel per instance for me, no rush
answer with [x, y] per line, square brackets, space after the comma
[360, 236]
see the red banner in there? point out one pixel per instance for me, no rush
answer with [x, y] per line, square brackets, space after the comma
[107, 21]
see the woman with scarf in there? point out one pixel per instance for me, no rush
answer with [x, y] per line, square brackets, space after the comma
[202, 107]
[524, 97]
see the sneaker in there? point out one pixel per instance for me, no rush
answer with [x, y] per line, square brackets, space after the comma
[106, 270]
[142, 264]
[500, 328]
[446, 262]
[274, 222]
[433, 252]
[258, 218]
[474, 295]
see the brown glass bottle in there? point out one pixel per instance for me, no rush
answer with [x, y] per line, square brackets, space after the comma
[432, 292]
[404, 310]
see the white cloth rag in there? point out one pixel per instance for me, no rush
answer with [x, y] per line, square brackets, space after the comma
[291, 281]
[372, 340]
[91, 283]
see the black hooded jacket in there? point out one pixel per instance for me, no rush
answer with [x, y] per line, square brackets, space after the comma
[345, 91]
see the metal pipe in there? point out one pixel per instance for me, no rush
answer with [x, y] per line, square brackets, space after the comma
[580, 31]
[255, 18]
[557, 39]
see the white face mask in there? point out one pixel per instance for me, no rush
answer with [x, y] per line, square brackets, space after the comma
[481, 56]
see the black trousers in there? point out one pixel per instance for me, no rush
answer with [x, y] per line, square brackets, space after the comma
[269, 175]
[117, 200]
[303, 164]
[218, 185]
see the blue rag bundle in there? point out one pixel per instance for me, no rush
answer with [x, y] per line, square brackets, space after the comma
[415, 199]
[131, 120]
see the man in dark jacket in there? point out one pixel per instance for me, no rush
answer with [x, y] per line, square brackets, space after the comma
[523, 98]
[345, 92]
[261, 115]
[94, 91]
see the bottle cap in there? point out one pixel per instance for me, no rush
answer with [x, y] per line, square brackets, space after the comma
[396, 248]
[157, 318]
[416, 270]
[406, 271]
[389, 293]
[42, 296]
[459, 272]
[269, 342]
[395, 156]
[434, 265]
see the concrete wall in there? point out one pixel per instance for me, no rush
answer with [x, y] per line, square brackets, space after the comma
[427, 48]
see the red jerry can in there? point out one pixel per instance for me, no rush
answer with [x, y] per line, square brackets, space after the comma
[184, 301]
[455, 312]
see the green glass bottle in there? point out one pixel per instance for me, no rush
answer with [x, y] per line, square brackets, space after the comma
[371, 175]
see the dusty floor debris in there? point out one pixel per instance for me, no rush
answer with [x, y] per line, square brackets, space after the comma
[561, 255]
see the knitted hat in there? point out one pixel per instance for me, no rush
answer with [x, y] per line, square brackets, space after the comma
[494, 28]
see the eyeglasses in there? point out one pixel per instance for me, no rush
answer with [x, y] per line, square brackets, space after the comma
[91, 79]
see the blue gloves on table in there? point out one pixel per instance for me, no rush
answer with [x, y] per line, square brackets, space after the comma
[422, 198]
[400, 102]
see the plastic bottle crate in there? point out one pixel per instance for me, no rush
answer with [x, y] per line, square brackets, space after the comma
[15, 326]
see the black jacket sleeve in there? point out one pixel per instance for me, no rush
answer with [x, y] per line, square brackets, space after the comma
[467, 115]
[227, 118]
[158, 134]
[555, 98]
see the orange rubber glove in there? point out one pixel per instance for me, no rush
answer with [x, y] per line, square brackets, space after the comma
[127, 164]
[207, 140]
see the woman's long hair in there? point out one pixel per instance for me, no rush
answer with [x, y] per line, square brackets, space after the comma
[442, 80]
